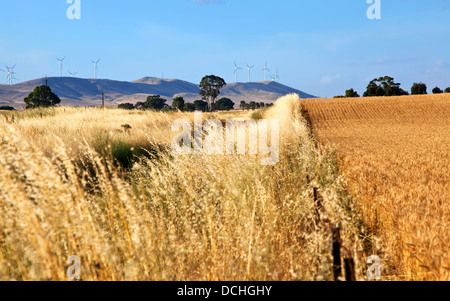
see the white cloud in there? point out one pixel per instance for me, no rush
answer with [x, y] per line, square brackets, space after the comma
[330, 78]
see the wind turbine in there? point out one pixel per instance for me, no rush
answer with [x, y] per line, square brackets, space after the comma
[276, 77]
[95, 68]
[73, 74]
[60, 66]
[11, 73]
[249, 69]
[265, 69]
[236, 68]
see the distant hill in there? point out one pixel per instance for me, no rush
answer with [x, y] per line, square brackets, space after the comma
[266, 91]
[88, 92]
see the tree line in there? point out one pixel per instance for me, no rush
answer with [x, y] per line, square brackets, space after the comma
[386, 86]
[157, 103]
[253, 105]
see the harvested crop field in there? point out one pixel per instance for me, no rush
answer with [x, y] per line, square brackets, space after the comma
[395, 151]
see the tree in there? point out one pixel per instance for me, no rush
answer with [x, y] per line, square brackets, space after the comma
[166, 108]
[419, 89]
[447, 90]
[140, 105]
[201, 105]
[437, 91]
[210, 89]
[178, 103]
[384, 86]
[42, 97]
[262, 105]
[7, 108]
[126, 106]
[189, 107]
[242, 105]
[155, 102]
[351, 93]
[225, 104]
[252, 105]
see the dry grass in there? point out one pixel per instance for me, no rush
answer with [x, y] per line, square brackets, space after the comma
[168, 217]
[396, 152]
[96, 126]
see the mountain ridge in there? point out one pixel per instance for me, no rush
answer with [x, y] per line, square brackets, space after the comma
[88, 92]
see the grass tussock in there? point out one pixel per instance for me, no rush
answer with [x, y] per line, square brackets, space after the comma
[221, 217]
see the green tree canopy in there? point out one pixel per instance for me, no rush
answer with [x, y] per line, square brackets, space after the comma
[155, 102]
[210, 89]
[189, 107]
[178, 103]
[41, 97]
[201, 105]
[384, 86]
[437, 90]
[224, 104]
[7, 108]
[126, 106]
[351, 93]
[447, 90]
[140, 105]
[418, 89]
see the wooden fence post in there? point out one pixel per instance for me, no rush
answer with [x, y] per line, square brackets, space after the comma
[349, 263]
[318, 201]
[337, 268]
[350, 274]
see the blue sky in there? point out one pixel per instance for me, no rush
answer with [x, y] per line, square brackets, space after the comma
[321, 47]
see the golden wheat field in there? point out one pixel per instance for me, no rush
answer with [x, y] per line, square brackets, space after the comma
[77, 181]
[395, 152]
